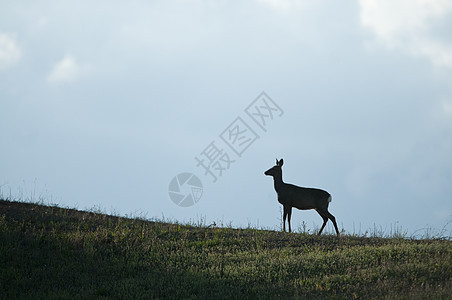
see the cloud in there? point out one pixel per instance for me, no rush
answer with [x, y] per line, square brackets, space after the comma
[10, 53]
[410, 26]
[67, 70]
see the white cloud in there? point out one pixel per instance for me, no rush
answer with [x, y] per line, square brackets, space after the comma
[67, 70]
[408, 25]
[9, 51]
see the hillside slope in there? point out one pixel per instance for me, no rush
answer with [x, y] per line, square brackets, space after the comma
[52, 252]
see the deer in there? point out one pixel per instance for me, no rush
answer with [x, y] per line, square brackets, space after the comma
[302, 198]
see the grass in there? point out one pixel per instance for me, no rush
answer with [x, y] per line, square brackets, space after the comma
[51, 252]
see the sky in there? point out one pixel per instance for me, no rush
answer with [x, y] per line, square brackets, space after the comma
[104, 104]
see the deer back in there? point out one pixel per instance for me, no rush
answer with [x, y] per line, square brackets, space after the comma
[302, 198]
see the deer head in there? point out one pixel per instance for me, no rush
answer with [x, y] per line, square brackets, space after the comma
[276, 170]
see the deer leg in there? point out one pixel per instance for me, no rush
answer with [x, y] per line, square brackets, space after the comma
[333, 219]
[284, 219]
[289, 215]
[325, 219]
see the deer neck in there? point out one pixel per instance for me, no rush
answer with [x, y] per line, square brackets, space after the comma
[278, 182]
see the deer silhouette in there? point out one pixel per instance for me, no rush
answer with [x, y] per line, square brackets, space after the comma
[290, 195]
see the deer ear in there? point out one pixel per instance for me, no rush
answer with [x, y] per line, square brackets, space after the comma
[277, 162]
[281, 161]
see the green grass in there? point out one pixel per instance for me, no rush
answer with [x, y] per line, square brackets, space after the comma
[51, 252]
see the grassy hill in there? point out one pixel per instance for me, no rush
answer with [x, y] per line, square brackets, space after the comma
[51, 252]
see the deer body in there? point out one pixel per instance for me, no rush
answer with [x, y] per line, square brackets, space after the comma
[290, 195]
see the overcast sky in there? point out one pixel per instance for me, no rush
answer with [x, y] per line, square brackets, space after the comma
[103, 103]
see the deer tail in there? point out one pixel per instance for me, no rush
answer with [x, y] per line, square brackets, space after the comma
[330, 199]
